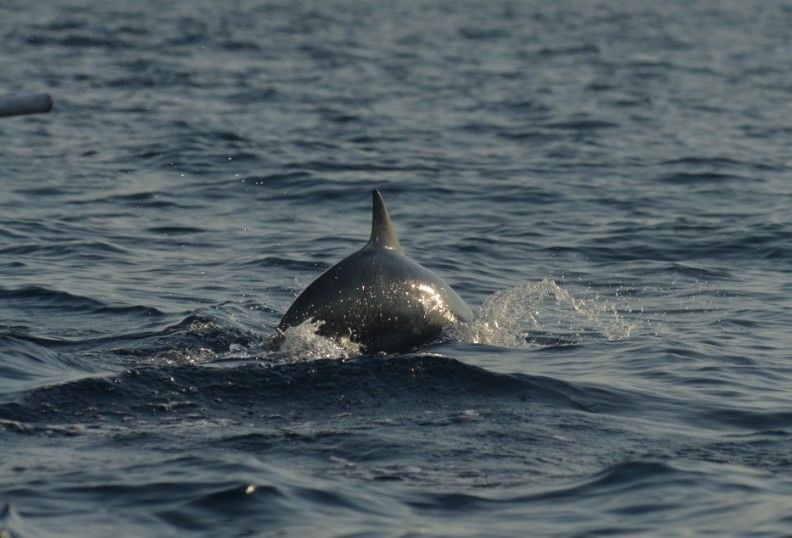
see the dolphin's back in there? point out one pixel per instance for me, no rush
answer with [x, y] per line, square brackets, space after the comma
[381, 299]
[378, 297]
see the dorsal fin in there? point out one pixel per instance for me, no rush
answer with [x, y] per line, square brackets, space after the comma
[383, 234]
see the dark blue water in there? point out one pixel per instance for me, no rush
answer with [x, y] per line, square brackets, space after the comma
[608, 184]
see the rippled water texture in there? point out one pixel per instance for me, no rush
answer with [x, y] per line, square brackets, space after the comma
[606, 183]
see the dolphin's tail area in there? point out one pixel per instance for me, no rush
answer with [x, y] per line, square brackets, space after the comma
[383, 234]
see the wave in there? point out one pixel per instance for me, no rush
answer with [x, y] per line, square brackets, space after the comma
[610, 486]
[53, 299]
[285, 263]
[614, 480]
[720, 162]
[13, 524]
[688, 178]
[317, 387]
[92, 250]
[27, 365]
[175, 230]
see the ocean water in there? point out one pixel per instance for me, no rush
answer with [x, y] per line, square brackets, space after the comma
[607, 184]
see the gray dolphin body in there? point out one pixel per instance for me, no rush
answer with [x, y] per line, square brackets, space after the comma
[378, 297]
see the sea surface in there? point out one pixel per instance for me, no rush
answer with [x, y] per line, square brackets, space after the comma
[608, 184]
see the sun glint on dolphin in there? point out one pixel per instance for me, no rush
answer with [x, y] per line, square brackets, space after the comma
[378, 297]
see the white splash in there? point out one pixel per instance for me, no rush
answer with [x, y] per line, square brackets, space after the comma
[542, 313]
[304, 342]
[181, 357]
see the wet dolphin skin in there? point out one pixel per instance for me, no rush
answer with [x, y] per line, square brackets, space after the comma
[378, 297]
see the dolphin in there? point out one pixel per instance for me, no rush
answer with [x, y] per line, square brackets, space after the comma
[378, 297]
